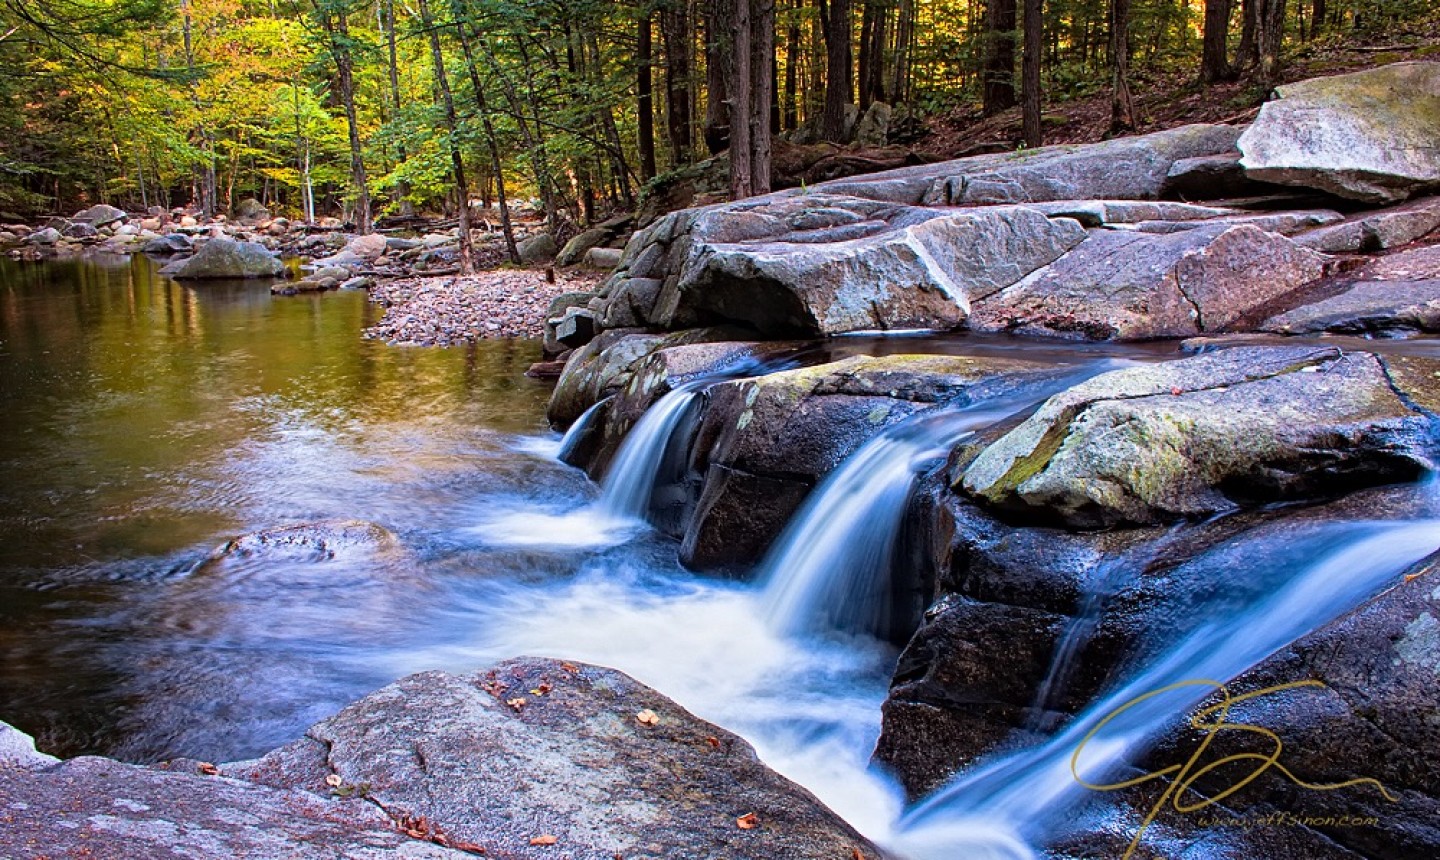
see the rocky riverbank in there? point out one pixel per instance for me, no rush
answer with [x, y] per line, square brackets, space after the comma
[442, 311]
[1083, 538]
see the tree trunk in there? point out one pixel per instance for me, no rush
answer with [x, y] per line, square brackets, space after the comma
[675, 32]
[1030, 73]
[1245, 52]
[717, 100]
[402, 188]
[1269, 37]
[497, 173]
[644, 98]
[900, 61]
[998, 71]
[762, 91]
[837, 69]
[790, 109]
[1214, 58]
[735, 56]
[337, 31]
[1122, 106]
[1317, 18]
[206, 181]
[457, 164]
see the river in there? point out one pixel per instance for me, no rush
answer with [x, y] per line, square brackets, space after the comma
[146, 423]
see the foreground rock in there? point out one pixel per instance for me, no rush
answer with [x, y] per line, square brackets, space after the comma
[1367, 135]
[221, 258]
[1205, 435]
[535, 758]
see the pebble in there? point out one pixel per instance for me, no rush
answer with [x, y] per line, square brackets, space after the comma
[441, 311]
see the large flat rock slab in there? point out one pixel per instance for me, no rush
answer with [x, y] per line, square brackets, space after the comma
[103, 809]
[822, 264]
[1367, 308]
[539, 759]
[1208, 434]
[1125, 285]
[1369, 135]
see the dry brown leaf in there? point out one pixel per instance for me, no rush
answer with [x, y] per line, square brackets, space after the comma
[570, 667]
[1177, 391]
[517, 703]
[207, 768]
[647, 717]
[855, 854]
[748, 821]
[544, 839]
[333, 780]
[545, 687]
[713, 741]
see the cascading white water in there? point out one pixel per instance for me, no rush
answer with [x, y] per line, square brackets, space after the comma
[577, 431]
[628, 484]
[625, 492]
[1013, 802]
[830, 566]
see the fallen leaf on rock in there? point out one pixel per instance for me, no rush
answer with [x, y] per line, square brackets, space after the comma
[1177, 390]
[713, 741]
[647, 717]
[333, 780]
[748, 821]
[517, 703]
[207, 768]
[544, 839]
[545, 687]
[855, 854]
[570, 667]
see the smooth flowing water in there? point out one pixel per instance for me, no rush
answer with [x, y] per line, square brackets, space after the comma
[145, 423]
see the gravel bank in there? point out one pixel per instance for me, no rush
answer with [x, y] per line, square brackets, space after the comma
[448, 310]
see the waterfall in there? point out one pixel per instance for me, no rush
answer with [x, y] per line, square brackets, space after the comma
[1022, 792]
[577, 432]
[830, 567]
[629, 482]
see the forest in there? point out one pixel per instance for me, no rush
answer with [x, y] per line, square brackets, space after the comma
[369, 109]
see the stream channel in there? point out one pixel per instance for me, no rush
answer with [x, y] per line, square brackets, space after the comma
[146, 423]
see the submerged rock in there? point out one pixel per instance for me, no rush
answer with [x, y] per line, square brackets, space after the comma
[1366, 135]
[1204, 435]
[320, 541]
[224, 258]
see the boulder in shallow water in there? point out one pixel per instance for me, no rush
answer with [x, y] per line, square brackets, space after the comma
[1369, 135]
[538, 748]
[221, 258]
[100, 214]
[1207, 434]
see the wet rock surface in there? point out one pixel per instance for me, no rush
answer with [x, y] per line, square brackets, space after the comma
[534, 758]
[1206, 435]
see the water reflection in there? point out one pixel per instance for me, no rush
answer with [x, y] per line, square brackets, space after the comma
[144, 422]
